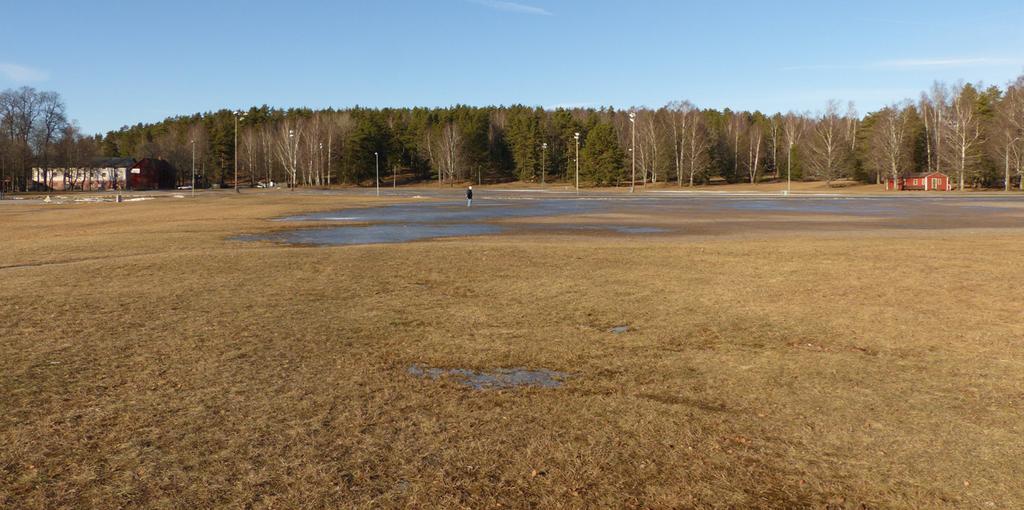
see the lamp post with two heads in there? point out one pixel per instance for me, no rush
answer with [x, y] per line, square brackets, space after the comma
[543, 162]
[376, 180]
[632, 150]
[239, 114]
[576, 135]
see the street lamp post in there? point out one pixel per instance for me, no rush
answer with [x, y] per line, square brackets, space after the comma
[543, 162]
[789, 170]
[193, 169]
[294, 149]
[632, 150]
[576, 135]
[376, 157]
[238, 114]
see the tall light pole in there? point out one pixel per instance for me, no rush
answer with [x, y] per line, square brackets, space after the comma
[632, 150]
[376, 157]
[394, 177]
[789, 169]
[543, 162]
[576, 135]
[294, 149]
[320, 161]
[193, 169]
[238, 113]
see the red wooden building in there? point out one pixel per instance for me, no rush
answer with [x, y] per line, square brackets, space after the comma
[924, 181]
[151, 173]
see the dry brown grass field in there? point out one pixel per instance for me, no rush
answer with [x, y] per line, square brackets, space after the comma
[151, 361]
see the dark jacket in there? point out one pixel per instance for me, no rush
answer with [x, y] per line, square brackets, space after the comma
[469, 194]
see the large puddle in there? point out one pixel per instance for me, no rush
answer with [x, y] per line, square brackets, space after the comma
[454, 212]
[501, 378]
[433, 220]
[414, 221]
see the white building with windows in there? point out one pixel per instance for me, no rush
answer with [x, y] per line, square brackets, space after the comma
[102, 174]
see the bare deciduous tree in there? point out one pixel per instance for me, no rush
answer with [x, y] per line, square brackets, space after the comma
[1010, 129]
[793, 126]
[287, 139]
[889, 140]
[697, 141]
[679, 118]
[445, 151]
[964, 131]
[934, 106]
[649, 132]
[754, 138]
[828, 148]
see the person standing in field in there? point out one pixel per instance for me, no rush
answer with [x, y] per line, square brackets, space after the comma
[469, 197]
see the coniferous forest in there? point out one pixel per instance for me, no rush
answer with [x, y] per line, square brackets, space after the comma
[971, 132]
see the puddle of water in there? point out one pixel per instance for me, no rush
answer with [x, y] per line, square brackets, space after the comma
[826, 206]
[414, 221]
[618, 330]
[502, 378]
[372, 234]
[439, 212]
[621, 229]
[633, 229]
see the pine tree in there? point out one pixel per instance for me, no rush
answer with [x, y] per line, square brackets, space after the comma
[601, 157]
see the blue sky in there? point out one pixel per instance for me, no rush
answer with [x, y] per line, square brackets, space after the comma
[123, 62]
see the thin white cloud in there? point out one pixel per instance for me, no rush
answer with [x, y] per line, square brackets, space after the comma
[502, 5]
[817, 67]
[907, 64]
[22, 74]
[912, 63]
[570, 106]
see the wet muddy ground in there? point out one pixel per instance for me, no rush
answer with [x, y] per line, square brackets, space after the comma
[508, 214]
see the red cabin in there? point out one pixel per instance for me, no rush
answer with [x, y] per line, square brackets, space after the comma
[924, 181]
[151, 173]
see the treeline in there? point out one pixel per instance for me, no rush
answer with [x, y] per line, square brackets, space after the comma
[35, 131]
[973, 133]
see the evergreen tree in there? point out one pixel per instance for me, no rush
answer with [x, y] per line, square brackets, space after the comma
[601, 158]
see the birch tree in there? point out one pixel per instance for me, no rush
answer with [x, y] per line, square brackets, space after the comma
[829, 146]
[679, 113]
[1010, 129]
[287, 138]
[793, 126]
[445, 151]
[697, 141]
[889, 140]
[648, 131]
[754, 138]
[964, 131]
[934, 106]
